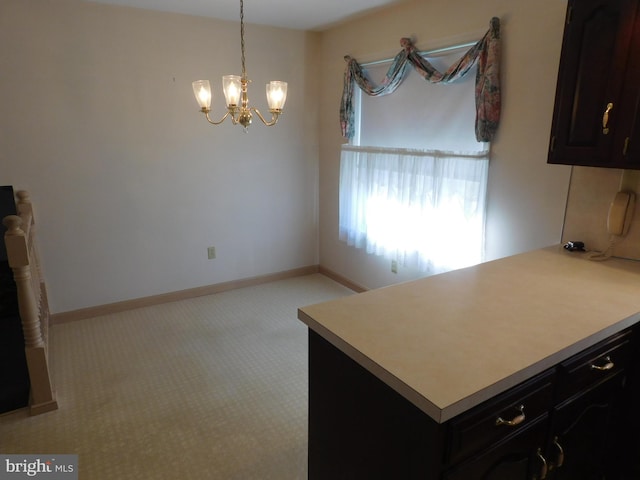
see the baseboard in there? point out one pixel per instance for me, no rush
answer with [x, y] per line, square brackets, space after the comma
[117, 307]
[43, 407]
[341, 280]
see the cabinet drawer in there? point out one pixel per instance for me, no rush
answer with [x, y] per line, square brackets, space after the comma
[594, 365]
[500, 417]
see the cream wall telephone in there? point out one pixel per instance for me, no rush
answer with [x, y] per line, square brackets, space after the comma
[620, 213]
[618, 222]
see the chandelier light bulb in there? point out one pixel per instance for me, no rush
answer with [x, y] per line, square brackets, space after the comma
[232, 87]
[276, 95]
[202, 92]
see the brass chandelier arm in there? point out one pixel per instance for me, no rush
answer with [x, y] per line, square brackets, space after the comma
[243, 117]
[206, 114]
[274, 117]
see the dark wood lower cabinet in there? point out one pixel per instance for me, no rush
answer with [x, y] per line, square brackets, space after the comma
[360, 428]
[573, 427]
[515, 458]
[584, 434]
[628, 456]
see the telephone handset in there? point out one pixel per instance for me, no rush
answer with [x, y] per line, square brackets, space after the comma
[620, 213]
[618, 222]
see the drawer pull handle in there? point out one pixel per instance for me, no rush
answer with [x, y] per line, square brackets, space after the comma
[607, 366]
[516, 420]
[543, 469]
[560, 459]
[605, 119]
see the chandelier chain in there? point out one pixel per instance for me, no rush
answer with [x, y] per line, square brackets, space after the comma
[244, 72]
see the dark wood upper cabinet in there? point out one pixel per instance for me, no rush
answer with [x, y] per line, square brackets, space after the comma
[595, 120]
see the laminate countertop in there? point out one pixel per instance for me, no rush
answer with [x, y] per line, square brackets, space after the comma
[451, 341]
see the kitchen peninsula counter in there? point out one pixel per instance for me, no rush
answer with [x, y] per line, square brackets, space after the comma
[449, 342]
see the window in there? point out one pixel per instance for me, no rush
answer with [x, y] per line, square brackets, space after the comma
[413, 180]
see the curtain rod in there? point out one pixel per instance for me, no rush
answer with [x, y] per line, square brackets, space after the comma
[425, 53]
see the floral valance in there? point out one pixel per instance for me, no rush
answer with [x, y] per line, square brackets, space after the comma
[485, 53]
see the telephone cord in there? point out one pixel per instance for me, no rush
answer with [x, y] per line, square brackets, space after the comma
[605, 254]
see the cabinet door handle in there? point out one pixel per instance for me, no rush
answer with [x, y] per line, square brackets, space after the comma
[607, 366]
[515, 421]
[543, 469]
[605, 119]
[560, 458]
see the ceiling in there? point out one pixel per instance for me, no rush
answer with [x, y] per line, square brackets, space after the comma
[296, 14]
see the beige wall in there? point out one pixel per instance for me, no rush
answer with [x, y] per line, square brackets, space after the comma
[527, 197]
[130, 183]
[591, 193]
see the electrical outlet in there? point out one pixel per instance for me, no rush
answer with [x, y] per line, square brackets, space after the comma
[394, 266]
[211, 253]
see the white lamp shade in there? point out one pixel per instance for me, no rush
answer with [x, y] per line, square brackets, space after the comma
[232, 87]
[202, 92]
[276, 94]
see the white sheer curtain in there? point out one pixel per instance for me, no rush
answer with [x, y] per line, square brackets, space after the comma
[425, 209]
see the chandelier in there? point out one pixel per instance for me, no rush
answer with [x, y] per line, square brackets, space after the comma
[235, 93]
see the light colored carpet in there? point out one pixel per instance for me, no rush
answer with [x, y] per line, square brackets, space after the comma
[209, 388]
